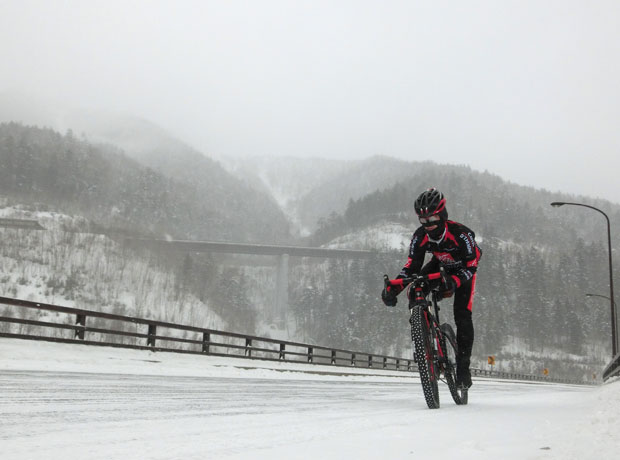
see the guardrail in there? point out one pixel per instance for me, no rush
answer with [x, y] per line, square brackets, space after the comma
[527, 377]
[612, 369]
[73, 325]
[40, 321]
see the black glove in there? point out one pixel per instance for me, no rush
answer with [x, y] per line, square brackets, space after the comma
[447, 287]
[389, 296]
[390, 291]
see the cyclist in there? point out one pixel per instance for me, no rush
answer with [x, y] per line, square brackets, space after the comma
[453, 247]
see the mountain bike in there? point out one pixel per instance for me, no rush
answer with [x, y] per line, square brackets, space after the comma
[434, 344]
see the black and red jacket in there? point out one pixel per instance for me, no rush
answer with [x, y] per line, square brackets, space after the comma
[457, 252]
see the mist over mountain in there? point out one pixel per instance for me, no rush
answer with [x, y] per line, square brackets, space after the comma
[288, 180]
[310, 189]
[538, 262]
[103, 183]
[332, 198]
[492, 206]
[240, 211]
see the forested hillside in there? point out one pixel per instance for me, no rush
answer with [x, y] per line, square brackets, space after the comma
[491, 206]
[197, 201]
[530, 309]
[538, 263]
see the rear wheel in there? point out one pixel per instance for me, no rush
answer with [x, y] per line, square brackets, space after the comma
[424, 355]
[448, 344]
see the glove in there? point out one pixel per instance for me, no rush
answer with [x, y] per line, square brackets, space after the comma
[388, 297]
[390, 291]
[447, 287]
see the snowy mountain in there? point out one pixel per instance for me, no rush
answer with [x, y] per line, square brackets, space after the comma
[197, 200]
[311, 189]
[287, 180]
[537, 264]
[67, 265]
[238, 210]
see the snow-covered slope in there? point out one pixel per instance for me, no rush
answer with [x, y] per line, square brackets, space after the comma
[66, 265]
[381, 237]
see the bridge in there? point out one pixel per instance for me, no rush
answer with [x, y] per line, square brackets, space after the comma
[28, 224]
[187, 246]
[281, 252]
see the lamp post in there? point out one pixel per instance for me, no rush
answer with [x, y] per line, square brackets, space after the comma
[557, 204]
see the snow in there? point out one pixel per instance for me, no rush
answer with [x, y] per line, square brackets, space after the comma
[61, 400]
[386, 236]
[66, 265]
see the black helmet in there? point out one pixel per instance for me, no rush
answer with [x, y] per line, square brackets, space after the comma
[431, 202]
[430, 207]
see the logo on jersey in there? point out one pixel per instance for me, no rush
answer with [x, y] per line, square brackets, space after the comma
[444, 258]
[468, 242]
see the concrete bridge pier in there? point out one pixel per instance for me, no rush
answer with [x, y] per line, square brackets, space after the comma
[282, 289]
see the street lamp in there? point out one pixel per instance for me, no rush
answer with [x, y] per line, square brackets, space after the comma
[598, 295]
[557, 204]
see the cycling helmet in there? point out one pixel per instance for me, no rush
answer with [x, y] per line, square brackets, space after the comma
[430, 207]
[431, 202]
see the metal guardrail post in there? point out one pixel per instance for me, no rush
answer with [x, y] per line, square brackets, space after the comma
[282, 354]
[150, 341]
[384, 362]
[80, 320]
[369, 361]
[310, 354]
[248, 348]
[333, 356]
[206, 338]
[352, 359]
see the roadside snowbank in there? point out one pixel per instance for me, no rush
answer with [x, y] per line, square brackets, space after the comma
[26, 355]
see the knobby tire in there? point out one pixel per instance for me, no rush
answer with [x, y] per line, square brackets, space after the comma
[424, 354]
[449, 347]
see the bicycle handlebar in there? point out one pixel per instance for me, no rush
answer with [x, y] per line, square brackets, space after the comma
[418, 278]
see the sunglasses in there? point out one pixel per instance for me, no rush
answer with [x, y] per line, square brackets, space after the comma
[430, 220]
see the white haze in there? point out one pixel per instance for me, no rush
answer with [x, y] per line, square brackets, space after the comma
[525, 89]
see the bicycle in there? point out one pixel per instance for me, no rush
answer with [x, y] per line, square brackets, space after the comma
[435, 347]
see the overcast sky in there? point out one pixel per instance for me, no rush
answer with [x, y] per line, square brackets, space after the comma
[528, 90]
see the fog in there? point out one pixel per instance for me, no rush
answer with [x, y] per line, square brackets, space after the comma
[524, 89]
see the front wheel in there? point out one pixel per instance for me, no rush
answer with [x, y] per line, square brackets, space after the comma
[450, 349]
[424, 355]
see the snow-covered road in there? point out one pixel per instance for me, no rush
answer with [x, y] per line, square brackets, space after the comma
[60, 401]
